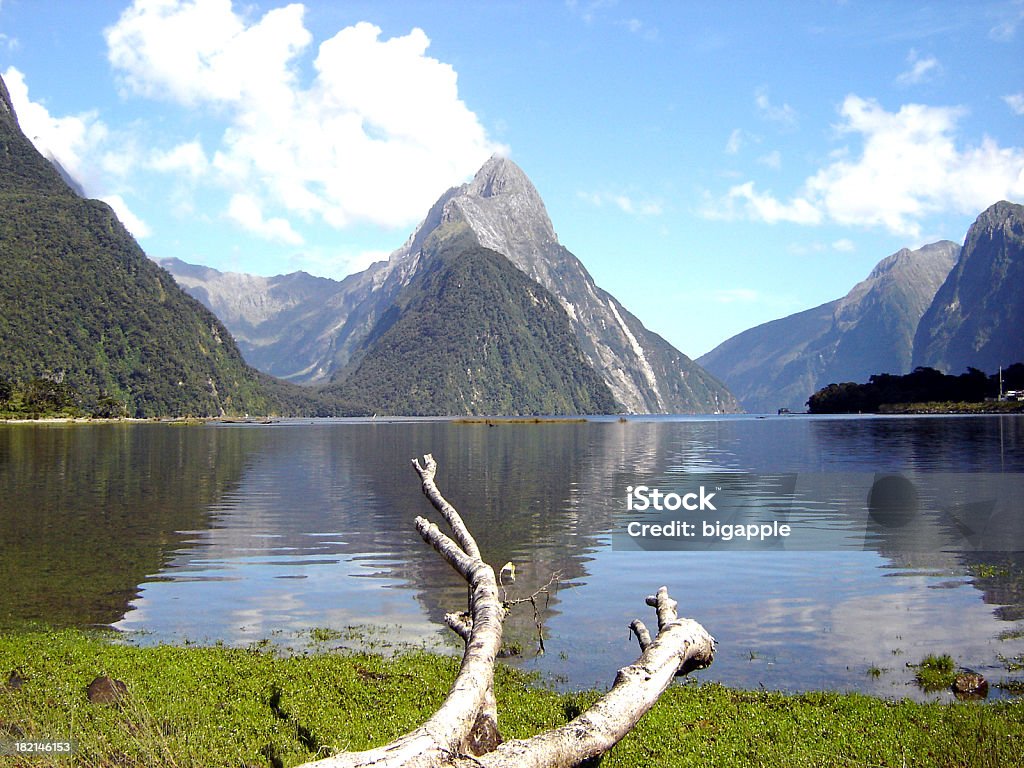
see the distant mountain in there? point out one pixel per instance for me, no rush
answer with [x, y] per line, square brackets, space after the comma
[870, 330]
[284, 325]
[977, 317]
[284, 333]
[471, 334]
[80, 304]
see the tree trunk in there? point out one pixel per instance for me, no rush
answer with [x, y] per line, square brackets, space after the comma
[464, 730]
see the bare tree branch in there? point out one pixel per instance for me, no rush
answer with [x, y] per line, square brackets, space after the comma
[463, 733]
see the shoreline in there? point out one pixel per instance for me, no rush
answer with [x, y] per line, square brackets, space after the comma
[254, 705]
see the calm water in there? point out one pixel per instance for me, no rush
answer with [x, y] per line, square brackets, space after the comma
[245, 532]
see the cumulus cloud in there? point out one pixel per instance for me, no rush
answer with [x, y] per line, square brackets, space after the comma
[910, 165]
[375, 136]
[69, 140]
[246, 211]
[187, 158]
[131, 222]
[1015, 101]
[743, 200]
[922, 68]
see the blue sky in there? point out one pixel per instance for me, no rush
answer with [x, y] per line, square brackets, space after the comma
[714, 165]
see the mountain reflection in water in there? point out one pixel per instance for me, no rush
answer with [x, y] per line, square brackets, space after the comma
[245, 532]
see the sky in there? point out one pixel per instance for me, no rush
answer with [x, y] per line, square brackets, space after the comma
[714, 165]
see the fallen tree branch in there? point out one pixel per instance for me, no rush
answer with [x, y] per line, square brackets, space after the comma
[463, 733]
[467, 722]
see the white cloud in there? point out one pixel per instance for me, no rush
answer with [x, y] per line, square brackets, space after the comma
[909, 166]
[331, 263]
[132, 223]
[69, 140]
[1015, 101]
[625, 203]
[844, 245]
[188, 159]
[766, 207]
[375, 137]
[1005, 30]
[921, 69]
[732, 146]
[245, 211]
[785, 114]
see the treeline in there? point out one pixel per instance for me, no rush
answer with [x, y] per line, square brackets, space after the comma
[44, 398]
[922, 385]
[57, 397]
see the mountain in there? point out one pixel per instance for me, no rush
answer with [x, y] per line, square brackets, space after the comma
[506, 214]
[82, 306]
[503, 212]
[471, 334]
[977, 317]
[870, 330]
[283, 324]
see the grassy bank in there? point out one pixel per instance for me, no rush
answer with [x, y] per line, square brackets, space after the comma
[193, 706]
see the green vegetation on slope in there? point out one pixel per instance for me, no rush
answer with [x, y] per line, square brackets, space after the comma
[89, 325]
[211, 707]
[474, 335]
[80, 303]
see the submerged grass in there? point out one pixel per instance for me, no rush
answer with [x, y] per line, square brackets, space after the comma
[218, 706]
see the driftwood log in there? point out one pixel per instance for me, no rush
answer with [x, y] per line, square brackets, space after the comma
[463, 733]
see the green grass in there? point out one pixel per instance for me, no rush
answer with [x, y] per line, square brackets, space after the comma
[936, 673]
[217, 706]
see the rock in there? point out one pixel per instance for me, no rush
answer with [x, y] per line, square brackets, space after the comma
[106, 690]
[15, 680]
[969, 684]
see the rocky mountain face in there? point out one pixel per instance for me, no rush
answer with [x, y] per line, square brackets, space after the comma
[977, 317]
[868, 331]
[471, 334]
[80, 304]
[282, 324]
[503, 212]
[644, 372]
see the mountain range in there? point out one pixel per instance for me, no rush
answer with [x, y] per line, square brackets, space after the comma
[942, 306]
[449, 325]
[482, 311]
[307, 330]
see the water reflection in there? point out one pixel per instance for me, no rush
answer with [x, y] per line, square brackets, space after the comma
[239, 532]
[87, 512]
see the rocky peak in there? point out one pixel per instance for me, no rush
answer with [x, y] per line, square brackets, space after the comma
[507, 214]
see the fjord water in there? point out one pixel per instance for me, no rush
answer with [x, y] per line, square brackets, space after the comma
[245, 532]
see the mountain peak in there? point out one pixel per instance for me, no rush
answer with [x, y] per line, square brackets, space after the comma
[1001, 214]
[499, 176]
[506, 213]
